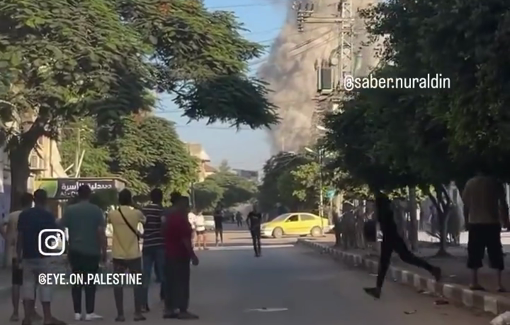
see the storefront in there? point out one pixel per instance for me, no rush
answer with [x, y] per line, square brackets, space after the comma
[62, 189]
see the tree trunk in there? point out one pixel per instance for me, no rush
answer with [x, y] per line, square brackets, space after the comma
[442, 204]
[20, 172]
[413, 231]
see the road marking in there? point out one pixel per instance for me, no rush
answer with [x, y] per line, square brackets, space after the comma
[241, 247]
[267, 310]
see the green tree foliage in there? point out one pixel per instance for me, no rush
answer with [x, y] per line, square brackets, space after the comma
[66, 60]
[61, 59]
[148, 154]
[82, 137]
[392, 138]
[235, 189]
[298, 188]
[291, 180]
[207, 195]
[202, 59]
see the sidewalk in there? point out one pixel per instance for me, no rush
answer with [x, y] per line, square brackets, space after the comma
[456, 276]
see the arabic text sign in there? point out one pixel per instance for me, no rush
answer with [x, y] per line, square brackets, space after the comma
[63, 188]
[69, 188]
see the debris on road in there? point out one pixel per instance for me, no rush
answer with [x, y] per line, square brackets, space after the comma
[502, 319]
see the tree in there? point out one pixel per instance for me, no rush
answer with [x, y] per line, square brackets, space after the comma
[207, 195]
[61, 61]
[202, 58]
[83, 136]
[148, 154]
[73, 59]
[279, 165]
[299, 187]
[236, 189]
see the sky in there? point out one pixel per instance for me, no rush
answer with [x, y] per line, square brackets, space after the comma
[244, 149]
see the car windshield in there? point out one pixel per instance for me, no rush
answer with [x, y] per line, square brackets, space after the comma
[281, 217]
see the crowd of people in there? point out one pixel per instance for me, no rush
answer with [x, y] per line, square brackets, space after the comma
[485, 210]
[167, 248]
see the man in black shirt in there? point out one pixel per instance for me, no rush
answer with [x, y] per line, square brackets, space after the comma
[392, 241]
[254, 220]
[218, 224]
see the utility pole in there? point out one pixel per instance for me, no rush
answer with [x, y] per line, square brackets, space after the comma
[77, 153]
[331, 72]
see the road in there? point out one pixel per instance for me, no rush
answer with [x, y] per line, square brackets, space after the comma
[230, 283]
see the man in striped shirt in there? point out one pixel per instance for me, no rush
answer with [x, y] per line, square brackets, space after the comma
[153, 254]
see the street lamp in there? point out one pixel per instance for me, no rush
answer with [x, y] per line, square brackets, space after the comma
[319, 155]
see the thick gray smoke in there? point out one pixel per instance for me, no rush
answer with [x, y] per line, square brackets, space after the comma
[290, 71]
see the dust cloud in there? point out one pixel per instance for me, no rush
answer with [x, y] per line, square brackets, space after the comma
[290, 70]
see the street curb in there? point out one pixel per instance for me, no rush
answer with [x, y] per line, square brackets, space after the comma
[472, 299]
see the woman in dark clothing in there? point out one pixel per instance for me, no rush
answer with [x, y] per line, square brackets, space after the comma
[392, 242]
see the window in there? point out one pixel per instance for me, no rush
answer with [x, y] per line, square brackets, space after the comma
[293, 218]
[307, 217]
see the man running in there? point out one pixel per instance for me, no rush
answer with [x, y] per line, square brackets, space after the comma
[10, 234]
[391, 242]
[254, 220]
[218, 224]
[87, 248]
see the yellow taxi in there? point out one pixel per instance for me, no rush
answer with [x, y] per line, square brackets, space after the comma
[295, 224]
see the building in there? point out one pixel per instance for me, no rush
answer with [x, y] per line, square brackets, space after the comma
[209, 170]
[251, 175]
[196, 150]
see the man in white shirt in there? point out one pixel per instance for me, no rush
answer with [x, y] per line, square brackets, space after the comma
[200, 231]
[191, 218]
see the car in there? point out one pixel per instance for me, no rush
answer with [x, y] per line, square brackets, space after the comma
[295, 224]
[209, 223]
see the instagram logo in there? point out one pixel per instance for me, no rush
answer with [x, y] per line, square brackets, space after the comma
[51, 242]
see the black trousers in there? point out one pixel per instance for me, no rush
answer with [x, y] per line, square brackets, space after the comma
[481, 237]
[255, 237]
[83, 264]
[177, 282]
[392, 242]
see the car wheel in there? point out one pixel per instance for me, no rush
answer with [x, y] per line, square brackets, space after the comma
[315, 232]
[278, 232]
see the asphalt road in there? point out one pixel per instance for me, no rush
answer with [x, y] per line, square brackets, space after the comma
[230, 284]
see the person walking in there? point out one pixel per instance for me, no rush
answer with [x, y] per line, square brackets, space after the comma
[126, 255]
[254, 220]
[31, 223]
[10, 234]
[485, 212]
[218, 224]
[179, 253]
[200, 231]
[86, 228]
[153, 251]
[239, 219]
[392, 242]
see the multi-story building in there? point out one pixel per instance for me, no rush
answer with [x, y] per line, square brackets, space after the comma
[251, 175]
[196, 150]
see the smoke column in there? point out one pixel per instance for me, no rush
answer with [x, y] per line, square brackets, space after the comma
[290, 71]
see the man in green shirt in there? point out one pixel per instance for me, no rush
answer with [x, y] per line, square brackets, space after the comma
[87, 247]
